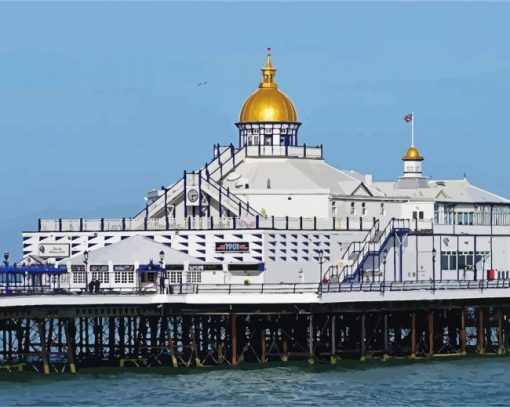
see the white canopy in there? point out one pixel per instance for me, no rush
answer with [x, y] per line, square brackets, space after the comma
[133, 249]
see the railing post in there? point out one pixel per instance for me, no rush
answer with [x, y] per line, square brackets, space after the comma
[145, 224]
[304, 150]
[81, 224]
[167, 222]
[123, 224]
[360, 223]
[199, 193]
[102, 224]
[301, 223]
[212, 223]
[315, 223]
[189, 222]
[60, 224]
[257, 221]
[347, 223]
[185, 196]
[334, 223]
[272, 221]
[286, 222]
[233, 222]
[322, 152]
[240, 209]
[39, 224]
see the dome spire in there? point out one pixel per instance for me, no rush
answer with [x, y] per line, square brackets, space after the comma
[268, 73]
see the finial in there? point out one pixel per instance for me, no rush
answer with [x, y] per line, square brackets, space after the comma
[268, 72]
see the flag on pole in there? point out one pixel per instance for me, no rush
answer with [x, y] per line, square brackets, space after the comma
[408, 118]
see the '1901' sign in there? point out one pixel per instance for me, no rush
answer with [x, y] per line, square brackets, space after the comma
[233, 247]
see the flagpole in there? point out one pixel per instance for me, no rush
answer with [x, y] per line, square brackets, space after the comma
[412, 129]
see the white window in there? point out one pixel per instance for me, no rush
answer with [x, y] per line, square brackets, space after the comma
[124, 277]
[382, 211]
[194, 277]
[363, 208]
[353, 208]
[102, 276]
[175, 277]
[78, 277]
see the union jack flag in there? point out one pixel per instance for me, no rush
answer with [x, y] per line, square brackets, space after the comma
[408, 118]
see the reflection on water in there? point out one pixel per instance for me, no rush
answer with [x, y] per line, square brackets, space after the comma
[467, 381]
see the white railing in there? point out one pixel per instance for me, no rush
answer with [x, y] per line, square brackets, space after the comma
[284, 151]
[201, 223]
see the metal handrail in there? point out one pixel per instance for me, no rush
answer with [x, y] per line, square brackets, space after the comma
[274, 288]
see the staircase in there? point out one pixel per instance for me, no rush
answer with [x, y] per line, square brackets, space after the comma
[223, 162]
[372, 246]
[228, 200]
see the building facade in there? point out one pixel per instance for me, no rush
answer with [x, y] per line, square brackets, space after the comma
[270, 209]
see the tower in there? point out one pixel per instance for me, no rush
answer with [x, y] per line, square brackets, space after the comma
[268, 116]
[412, 163]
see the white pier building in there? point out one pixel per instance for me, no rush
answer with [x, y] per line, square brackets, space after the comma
[270, 210]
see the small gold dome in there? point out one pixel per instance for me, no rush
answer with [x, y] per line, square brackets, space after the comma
[412, 155]
[268, 103]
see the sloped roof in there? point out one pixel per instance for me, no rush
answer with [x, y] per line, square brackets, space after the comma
[442, 191]
[295, 174]
[133, 249]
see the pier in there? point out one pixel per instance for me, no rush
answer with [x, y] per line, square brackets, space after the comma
[68, 332]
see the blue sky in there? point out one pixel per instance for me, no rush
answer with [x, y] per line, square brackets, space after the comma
[99, 103]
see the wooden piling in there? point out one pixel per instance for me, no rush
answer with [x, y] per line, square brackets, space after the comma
[430, 320]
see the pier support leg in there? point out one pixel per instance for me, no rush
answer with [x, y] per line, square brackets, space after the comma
[285, 350]
[311, 355]
[198, 362]
[430, 320]
[363, 337]
[413, 335]
[481, 347]
[44, 350]
[333, 340]
[263, 357]
[501, 340]
[462, 333]
[233, 323]
[70, 346]
[171, 344]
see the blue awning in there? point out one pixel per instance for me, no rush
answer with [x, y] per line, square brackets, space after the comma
[33, 269]
[149, 267]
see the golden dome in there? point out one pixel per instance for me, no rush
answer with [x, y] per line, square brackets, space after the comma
[268, 103]
[412, 155]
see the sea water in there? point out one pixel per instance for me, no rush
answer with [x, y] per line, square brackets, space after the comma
[475, 381]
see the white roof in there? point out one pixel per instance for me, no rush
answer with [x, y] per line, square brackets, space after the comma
[133, 249]
[442, 191]
[296, 174]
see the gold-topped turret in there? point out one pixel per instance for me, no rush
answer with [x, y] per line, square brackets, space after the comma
[412, 155]
[268, 103]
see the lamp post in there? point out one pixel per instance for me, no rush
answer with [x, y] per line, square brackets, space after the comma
[6, 264]
[162, 276]
[434, 269]
[321, 257]
[86, 262]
